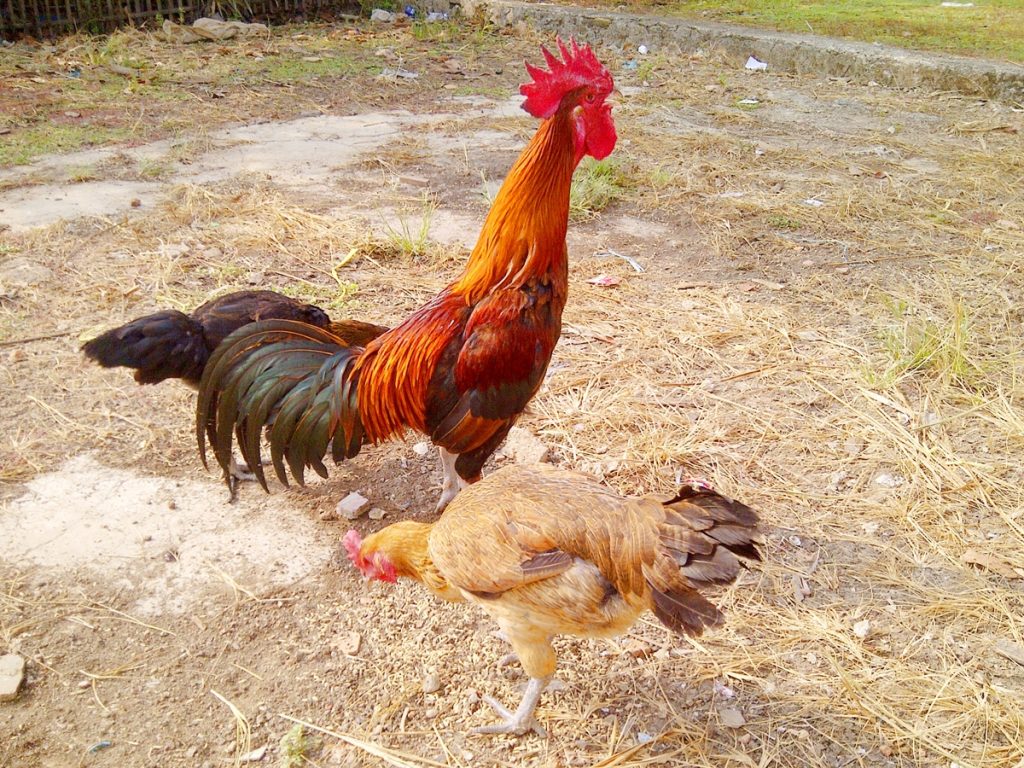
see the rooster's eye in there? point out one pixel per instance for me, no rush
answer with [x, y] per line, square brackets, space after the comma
[590, 98]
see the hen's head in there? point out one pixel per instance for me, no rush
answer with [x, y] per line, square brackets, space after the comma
[576, 82]
[374, 565]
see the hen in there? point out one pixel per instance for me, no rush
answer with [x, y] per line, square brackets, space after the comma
[172, 345]
[460, 369]
[547, 552]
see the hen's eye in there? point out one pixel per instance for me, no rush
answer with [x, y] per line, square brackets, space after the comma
[590, 98]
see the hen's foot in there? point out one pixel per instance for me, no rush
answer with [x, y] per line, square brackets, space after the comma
[521, 721]
[507, 660]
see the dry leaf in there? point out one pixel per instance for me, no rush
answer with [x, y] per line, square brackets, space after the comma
[1010, 650]
[992, 563]
[731, 717]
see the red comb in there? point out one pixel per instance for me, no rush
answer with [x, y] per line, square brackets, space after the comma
[578, 67]
[352, 542]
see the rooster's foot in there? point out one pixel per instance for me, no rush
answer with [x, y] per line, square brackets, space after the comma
[452, 483]
[522, 720]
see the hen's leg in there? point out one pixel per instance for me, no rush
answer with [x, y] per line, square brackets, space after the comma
[452, 482]
[520, 721]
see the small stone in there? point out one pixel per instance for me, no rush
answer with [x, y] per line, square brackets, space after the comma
[350, 507]
[430, 713]
[12, 675]
[467, 755]
[836, 481]
[523, 447]
[862, 628]
[472, 697]
[807, 262]
[212, 253]
[255, 756]
[731, 717]
[172, 250]
[135, 203]
[84, 684]
[255, 278]
[842, 270]
[431, 683]
[16, 356]
[454, 66]
[349, 643]
[377, 514]
[421, 449]
[888, 480]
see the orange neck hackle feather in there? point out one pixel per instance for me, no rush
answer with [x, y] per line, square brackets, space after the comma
[523, 238]
[524, 233]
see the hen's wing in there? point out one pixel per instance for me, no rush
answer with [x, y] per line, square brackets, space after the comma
[529, 523]
[356, 333]
[224, 315]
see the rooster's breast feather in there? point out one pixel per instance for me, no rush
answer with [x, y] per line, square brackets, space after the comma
[487, 377]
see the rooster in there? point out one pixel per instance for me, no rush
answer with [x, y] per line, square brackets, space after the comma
[172, 345]
[547, 552]
[462, 367]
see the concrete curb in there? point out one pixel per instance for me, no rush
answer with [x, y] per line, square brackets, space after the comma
[802, 54]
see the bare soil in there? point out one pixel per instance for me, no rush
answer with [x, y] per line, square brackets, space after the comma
[827, 327]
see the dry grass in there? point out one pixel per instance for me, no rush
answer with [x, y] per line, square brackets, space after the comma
[854, 370]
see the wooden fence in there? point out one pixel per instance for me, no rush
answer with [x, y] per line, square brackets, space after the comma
[47, 19]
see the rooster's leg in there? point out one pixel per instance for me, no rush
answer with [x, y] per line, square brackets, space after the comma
[520, 721]
[237, 473]
[452, 482]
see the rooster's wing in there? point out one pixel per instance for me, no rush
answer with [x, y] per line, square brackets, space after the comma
[485, 379]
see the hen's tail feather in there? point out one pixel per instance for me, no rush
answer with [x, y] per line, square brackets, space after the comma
[164, 345]
[294, 378]
[703, 535]
[685, 611]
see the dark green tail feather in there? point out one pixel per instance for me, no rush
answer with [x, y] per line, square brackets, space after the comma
[293, 377]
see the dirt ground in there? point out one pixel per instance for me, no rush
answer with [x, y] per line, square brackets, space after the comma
[827, 326]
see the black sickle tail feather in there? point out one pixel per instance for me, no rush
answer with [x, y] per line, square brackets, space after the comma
[702, 537]
[293, 378]
[164, 345]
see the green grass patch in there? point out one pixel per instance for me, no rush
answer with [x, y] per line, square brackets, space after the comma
[783, 222]
[941, 346]
[993, 28]
[25, 144]
[596, 184]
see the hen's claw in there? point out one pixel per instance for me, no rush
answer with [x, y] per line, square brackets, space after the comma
[517, 726]
[507, 660]
[522, 720]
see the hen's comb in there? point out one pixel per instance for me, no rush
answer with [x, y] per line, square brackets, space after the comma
[352, 542]
[578, 66]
